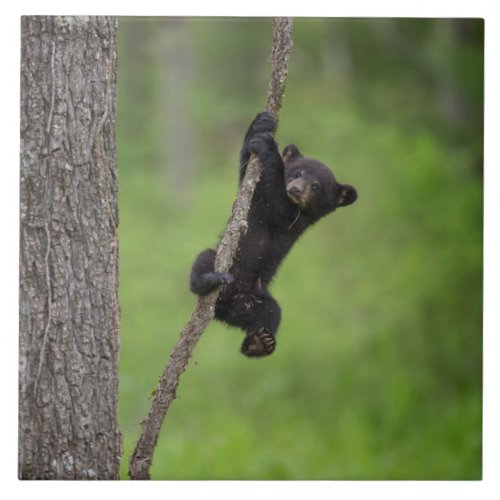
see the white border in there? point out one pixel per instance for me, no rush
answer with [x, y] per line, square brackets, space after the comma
[488, 488]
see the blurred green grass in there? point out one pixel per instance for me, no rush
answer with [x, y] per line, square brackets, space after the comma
[378, 369]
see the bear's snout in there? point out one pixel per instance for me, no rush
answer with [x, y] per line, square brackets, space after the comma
[295, 191]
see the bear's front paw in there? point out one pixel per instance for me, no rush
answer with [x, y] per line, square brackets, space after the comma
[258, 344]
[261, 143]
[264, 122]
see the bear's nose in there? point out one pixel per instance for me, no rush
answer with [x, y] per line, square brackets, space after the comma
[295, 191]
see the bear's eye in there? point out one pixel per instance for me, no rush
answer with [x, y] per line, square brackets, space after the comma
[296, 174]
[315, 187]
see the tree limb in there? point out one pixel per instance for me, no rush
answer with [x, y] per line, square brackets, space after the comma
[142, 455]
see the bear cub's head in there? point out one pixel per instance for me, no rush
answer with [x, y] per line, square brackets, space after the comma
[312, 186]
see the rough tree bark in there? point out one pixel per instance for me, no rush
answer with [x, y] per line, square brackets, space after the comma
[69, 314]
[142, 455]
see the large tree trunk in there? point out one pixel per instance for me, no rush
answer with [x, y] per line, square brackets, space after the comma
[69, 315]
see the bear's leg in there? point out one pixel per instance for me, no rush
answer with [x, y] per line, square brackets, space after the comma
[203, 278]
[259, 315]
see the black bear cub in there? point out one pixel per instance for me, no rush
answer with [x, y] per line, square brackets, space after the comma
[293, 193]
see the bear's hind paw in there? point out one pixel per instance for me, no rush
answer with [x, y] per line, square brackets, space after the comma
[258, 344]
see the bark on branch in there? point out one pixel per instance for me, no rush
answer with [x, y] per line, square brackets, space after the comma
[142, 455]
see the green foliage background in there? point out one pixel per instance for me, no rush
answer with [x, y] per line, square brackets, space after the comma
[378, 369]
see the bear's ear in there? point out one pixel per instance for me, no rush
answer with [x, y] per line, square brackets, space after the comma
[346, 195]
[290, 152]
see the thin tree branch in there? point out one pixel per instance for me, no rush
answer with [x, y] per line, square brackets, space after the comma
[142, 455]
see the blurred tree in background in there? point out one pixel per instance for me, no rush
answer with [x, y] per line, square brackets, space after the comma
[379, 365]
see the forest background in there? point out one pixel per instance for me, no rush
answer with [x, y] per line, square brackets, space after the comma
[378, 370]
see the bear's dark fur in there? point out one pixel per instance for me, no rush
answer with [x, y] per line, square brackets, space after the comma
[293, 193]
